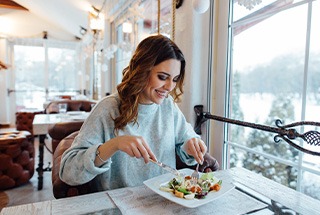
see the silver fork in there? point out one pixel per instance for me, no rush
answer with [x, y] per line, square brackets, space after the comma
[195, 175]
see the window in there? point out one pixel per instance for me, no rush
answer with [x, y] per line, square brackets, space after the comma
[42, 72]
[134, 24]
[63, 71]
[273, 73]
[29, 85]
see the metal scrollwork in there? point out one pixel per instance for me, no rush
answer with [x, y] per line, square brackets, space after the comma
[284, 132]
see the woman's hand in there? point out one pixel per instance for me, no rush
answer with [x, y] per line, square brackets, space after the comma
[196, 148]
[135, 146]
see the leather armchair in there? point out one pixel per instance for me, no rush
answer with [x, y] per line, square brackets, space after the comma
[16, 159]
[73, 105]
[24, 120]
[61, 130]
[61, 189]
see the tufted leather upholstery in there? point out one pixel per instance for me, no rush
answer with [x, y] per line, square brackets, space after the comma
[24, 120]
[73, 105]
[16, 159]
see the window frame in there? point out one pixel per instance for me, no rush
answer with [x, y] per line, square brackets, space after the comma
[45, 44]
[220, 90]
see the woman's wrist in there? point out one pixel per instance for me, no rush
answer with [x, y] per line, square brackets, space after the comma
[98, 155]
[105, 151]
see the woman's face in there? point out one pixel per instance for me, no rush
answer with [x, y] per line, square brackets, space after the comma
[163, 79]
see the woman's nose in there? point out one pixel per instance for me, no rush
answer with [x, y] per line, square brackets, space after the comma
[169, 85]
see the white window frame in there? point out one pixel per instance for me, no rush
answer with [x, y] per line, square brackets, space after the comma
[219, 98]
[218, 79]
[37, 43]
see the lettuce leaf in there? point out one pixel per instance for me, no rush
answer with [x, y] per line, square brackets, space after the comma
[207, 176]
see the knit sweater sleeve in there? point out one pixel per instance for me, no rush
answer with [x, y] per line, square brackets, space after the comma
[77, 163]
[183, 132]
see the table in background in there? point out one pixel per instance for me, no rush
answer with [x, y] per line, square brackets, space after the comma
[247, 182]
[41, 125]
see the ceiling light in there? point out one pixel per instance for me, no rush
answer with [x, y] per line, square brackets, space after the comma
[127, 27]
[97, 23]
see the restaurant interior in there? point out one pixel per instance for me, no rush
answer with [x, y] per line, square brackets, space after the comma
[251, 91]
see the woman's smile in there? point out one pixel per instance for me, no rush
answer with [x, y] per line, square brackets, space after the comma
[162, 81]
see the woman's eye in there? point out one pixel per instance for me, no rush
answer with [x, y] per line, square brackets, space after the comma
[176, 79]
[162, 77]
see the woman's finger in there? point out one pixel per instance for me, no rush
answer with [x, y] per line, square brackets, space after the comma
[145, 150]
[200, 150]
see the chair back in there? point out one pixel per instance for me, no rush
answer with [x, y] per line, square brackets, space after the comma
[24, 120]
[61, 189]
[61, 130]
[72, 105]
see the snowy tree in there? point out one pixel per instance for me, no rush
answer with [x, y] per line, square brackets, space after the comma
[262, 141]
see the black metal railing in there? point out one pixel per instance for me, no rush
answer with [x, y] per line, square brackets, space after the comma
[284, 132]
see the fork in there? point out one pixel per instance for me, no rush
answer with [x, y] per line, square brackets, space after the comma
[195, 175]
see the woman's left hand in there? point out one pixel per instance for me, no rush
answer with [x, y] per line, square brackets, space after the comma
[196, 148]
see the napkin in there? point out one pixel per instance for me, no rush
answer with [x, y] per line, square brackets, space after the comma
[142, 200]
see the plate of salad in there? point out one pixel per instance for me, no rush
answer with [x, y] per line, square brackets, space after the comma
[182, 190]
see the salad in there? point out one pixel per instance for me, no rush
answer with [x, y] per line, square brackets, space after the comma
[186, 187]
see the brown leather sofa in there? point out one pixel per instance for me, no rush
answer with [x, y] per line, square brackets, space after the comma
[73, 105]
[62, 190]
[16, 159]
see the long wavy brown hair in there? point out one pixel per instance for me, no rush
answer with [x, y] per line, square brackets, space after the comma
[150, 52]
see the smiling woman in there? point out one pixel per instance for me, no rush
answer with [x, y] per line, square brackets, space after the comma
[139, 122]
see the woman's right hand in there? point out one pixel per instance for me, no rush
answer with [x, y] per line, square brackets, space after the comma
[135, 146]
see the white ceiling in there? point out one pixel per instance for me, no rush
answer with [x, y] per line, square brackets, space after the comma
[60, 18]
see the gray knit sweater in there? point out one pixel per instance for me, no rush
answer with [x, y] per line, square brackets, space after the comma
[163, 127]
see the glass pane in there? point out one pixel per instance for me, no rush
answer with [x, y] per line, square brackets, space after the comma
[244, 10]
[275, 75]
[309, 180]
[281, 173]
[311, 185]
[313, 89]
[267, 77]
[29, 77]
[63, 72]
[123, 53]
[135, 24]
[149, 23]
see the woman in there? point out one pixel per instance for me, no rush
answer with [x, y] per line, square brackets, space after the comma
[139, 122]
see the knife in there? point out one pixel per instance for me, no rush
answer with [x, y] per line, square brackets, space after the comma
[166, 167]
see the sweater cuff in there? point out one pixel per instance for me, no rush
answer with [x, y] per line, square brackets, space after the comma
[187, 159]
[90, 166]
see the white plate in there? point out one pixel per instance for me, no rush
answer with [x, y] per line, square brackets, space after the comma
[75, 112]
[155, 183]
[78, 118]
